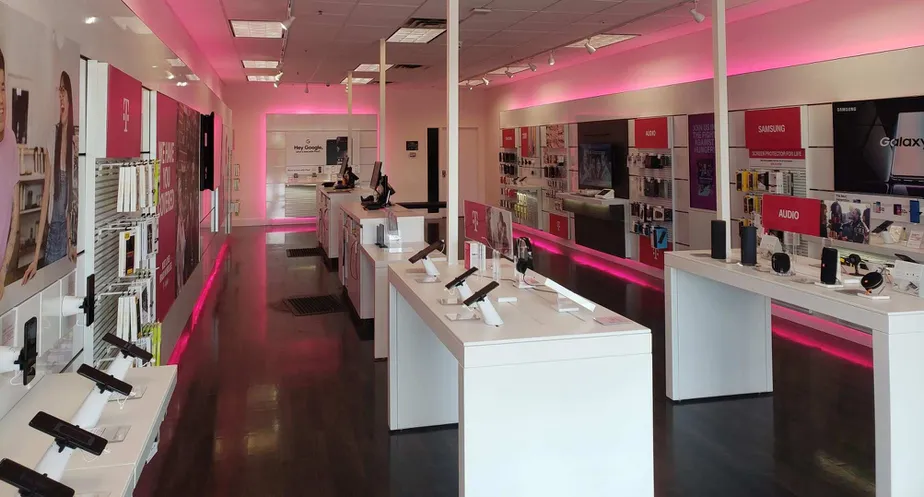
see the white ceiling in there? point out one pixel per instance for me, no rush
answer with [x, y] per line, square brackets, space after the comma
[331, 37]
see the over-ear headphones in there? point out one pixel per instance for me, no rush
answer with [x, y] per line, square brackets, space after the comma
[524, 254]
[780, 263]
[871, 281]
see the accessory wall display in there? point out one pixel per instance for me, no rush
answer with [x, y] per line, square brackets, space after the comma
[126, 248]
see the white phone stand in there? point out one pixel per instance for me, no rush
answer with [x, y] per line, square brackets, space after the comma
[433, 274]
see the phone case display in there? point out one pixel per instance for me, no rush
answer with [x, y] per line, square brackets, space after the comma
[126, 245]
[508, 163]
[651, 184]
[523, 202]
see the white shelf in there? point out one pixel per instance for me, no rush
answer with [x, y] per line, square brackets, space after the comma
[593, 200]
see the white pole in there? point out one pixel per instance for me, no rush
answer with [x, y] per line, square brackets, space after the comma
[350, 117]
[381, 153]
[720, 99]
[452, 128]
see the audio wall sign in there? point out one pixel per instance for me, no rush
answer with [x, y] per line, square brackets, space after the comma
[309, 148]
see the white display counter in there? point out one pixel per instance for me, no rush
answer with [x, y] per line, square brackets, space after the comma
[375, 263]
[359, 228]
[117, 470]
[329, 221]
[549, 404]
[718, 343]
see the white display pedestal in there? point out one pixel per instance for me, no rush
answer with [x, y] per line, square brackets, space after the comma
[549, 404]
[718, 343]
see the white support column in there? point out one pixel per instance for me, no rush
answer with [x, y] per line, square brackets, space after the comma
[381, 151]
[452, 129]
[350, 116]
[720, 100]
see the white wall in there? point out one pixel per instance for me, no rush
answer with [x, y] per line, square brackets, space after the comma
[410, 111]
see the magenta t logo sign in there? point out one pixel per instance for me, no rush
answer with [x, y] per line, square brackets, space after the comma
[126, 105]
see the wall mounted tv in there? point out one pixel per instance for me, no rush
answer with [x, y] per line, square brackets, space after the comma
[595, 166]
[879, 146]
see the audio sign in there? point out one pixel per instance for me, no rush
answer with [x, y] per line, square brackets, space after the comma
[792, 214]
[652, 133]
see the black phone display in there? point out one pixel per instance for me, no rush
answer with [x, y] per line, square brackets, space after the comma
[31, 483]
[480, 294]
[29, 354]
[438, 245]
[882, 227]
[68, 435]
[105, 382]
[903, 257]
[458, 280]
[127, 348]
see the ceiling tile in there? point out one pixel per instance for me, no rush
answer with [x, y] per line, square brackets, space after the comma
[363, 34]
[539, 27]
[557, 17]
[311, 9]
[641, 7]
[251, 10]
[533, 5]
[579, 6]
[509, 38]
[656, 23]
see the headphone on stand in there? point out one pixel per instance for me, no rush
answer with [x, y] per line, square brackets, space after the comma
[524, 254]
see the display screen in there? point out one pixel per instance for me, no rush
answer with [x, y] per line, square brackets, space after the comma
[595, 166]
[879, 146]
[376, 175]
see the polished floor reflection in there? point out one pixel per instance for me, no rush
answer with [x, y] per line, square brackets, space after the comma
[268, 404]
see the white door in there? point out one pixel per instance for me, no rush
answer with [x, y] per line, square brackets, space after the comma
[469, 172]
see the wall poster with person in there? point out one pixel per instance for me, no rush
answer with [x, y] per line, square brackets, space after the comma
[39, 182]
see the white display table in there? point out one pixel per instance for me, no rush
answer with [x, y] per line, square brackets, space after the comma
[549, 404]
[329, 221]
[718, 343]
[375, 263]
[115, 471]
[359, 228]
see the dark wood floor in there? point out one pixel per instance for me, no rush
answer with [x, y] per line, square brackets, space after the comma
[272, 405]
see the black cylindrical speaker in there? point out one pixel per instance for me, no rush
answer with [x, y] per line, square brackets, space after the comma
[829, 266]
[780, 263]
[718, 239]
[749, 246]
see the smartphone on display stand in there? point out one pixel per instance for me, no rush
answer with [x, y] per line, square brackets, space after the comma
[68, 435]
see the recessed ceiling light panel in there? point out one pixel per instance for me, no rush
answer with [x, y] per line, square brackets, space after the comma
[192, 77]
[600, 41]
[259, 78]
[257, 29]
[371, 67]
[176, 62]
[357, 81]
[415, 35]
[260, 64]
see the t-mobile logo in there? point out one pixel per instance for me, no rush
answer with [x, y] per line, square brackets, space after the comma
[125, 114]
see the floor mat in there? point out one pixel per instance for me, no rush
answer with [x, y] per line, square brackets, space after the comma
[305, 252]
[310, 306]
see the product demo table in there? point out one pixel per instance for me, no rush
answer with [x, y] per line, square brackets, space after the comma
[115, 473]
[718, 343]
[549, 404]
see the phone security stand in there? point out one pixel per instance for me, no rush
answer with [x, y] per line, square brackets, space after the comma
[424, 256]
[459, 284]
[567, 301]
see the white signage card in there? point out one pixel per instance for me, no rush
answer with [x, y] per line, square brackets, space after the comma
[309, 148]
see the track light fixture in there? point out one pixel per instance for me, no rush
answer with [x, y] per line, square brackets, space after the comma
[551, 59]
[278, 76]
[275, 84]
[287, 24]
[590, 48]
[485, 80]
[508, 73]
[697, 15]
[532, 67]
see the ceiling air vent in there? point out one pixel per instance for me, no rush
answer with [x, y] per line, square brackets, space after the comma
[419, 23]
